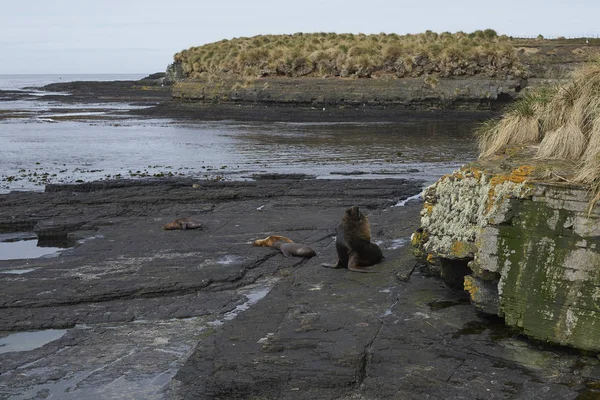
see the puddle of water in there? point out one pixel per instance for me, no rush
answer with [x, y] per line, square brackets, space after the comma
[253, 295]
[18, 271]
[494, 324]
[228, 259]
[443, 304]
[402, 203]
[389, 311]
[25, 249]
[25, 341]
[22, 245]
[397, 243]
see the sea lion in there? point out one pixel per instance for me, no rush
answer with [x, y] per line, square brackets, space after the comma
[183, 224]
[270, 240]
[295, 249]
[353, 243]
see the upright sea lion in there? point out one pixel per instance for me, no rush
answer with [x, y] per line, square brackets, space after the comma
[183, 224]
[295, 249]
[353, 243]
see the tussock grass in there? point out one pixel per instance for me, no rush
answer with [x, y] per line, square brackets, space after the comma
[518, 126]
[349, 55]
[564, 120]
[567, 142]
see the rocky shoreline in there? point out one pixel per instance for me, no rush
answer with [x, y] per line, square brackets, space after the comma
[204, 314]
[128, 309]
[219, 111]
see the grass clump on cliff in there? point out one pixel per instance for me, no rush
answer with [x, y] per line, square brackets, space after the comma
[562, 120]
[350, 55]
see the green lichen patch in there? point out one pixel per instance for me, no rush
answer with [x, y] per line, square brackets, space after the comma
[549, 286]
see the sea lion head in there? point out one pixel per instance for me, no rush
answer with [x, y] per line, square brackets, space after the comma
[354, 214]
[355, 224]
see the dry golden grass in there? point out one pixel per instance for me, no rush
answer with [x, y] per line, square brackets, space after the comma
[564, 120]
[567, 142]
[518, 126]
[349, 55]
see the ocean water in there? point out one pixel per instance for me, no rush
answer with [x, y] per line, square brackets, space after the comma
[103, 141]
[20, 81]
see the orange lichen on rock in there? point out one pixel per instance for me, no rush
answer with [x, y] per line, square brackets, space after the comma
[517, 176]
[460, 249]
[470, 287]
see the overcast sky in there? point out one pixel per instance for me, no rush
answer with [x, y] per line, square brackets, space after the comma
[141, 36]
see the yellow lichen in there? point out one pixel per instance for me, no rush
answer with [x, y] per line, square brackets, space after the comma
[460, 249]
[517, 176]
[418, 238]
[470, 287]
[428, 207]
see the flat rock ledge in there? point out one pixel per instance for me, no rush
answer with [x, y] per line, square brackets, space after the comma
[458, 93]
[530, 249]
[134, 311]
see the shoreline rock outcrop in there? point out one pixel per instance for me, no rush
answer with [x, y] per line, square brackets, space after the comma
[467, 94]
[528, 249]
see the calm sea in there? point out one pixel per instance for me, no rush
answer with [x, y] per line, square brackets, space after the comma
[13, 82]
[48, 141]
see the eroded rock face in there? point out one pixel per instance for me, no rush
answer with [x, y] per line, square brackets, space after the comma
[474, 94]
[531, 247]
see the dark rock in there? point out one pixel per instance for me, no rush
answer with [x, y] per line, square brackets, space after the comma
[203, 314]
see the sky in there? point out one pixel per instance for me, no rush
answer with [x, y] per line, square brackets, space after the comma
[141, 36]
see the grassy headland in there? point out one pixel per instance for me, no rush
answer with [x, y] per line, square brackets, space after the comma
[345, 55]
[452, 71]
[384, 55]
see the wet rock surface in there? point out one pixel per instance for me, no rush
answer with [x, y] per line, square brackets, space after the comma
[156, 314]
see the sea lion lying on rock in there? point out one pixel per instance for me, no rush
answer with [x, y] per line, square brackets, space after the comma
[183, 224]
[295, 249]
[270, 240]
[353, 243]
[286, 246]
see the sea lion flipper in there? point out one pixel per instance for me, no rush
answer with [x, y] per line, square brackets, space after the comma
[334, 266]
[284, 251]
[356, 264]
[356, 268]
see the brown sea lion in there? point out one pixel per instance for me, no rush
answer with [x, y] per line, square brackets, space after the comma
[295, 249]
[270, 240]
[183, 224]
[353, 243]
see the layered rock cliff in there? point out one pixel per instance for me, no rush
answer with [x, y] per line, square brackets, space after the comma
[408, 93]
[529, 249]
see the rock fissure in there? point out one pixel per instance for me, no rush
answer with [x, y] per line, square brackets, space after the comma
[365, 356]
